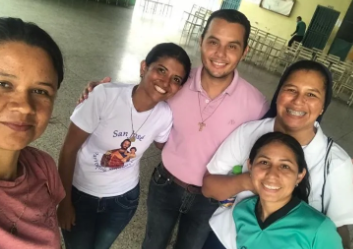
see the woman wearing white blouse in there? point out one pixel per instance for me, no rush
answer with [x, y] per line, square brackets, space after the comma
[303, 95]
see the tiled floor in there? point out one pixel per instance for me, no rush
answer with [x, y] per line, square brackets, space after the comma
[105, 40]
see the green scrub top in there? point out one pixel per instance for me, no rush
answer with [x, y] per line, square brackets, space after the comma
[294, 226]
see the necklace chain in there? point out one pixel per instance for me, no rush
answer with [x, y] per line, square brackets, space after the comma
[13, 229]
[202, 123]
[133, 133]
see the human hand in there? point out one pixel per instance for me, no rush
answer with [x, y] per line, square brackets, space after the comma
[89, 88]
[66, 215]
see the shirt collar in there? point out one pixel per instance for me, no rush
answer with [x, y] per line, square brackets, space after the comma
[279, 214]
[197, 87]
[318, 143]
[24, 159]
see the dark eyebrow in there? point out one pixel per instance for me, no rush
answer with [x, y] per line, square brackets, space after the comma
[180, 78]
[315, 90]
[39, 83]
[163, 67]
[47, 84]
[264, 156]
[286, 160]
[7, 75]
[236, 41]
[213, 37]
[289, 84]
[311, 89]
[168, 70]
[282, 160]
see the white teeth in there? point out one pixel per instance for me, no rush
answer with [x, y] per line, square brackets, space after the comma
[295, 113]
[271, 187]
[219, 63]
[159, 89]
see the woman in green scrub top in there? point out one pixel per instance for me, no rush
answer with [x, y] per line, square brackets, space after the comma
[279, 217]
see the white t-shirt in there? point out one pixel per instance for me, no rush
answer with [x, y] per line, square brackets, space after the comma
[338, 199]
[107, 163]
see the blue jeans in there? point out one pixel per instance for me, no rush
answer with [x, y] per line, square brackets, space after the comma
[166, 204]
[213, 242]
[99, 221]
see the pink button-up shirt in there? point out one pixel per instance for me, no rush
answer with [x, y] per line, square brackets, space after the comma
[188, 150]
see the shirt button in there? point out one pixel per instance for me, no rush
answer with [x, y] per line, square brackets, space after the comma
[207, 101]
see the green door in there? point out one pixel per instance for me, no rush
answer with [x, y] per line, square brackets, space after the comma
[340, 48]
[231, 4]
[320, 27]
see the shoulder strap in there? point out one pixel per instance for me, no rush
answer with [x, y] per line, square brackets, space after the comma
[326, 172]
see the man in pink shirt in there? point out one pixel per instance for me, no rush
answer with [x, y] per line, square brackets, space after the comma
[211, 104]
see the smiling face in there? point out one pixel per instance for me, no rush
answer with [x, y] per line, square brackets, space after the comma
[162, 79]
[301, 100]
[28, 86]
[222, 48]
[275, 172]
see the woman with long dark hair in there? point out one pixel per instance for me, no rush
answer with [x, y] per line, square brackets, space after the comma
[279, 217]
[298, 105]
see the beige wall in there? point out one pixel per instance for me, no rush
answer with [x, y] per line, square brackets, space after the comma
[284, 26]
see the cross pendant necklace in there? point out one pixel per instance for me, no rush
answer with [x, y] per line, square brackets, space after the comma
[201, 124]
[13, 229]
[134, 134]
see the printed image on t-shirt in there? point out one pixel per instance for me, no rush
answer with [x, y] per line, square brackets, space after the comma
[118, 158]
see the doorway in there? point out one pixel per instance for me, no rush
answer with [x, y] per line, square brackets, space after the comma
[320, 27]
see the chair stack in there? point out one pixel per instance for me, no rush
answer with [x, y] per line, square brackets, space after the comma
[157, 7]
[194, 24]
[345, 84]
[264, 48]
[270, 52]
